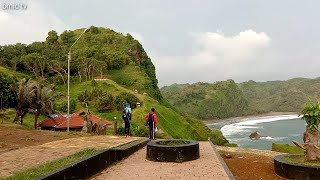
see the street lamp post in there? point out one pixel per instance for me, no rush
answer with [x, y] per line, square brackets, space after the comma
[69, 59]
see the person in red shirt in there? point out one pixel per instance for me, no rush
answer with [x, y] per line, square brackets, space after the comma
[152, 121]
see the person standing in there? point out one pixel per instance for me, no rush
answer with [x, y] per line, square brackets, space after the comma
[128, 112]
[152, 121]
[126, 124]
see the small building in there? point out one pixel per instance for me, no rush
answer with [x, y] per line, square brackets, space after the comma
[60, 122]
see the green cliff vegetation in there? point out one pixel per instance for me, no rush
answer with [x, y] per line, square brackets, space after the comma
[280, 96]
[227, 99]
[129, 77]
[207, 101]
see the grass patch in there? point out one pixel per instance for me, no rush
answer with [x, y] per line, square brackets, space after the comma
[286, 148]
[45, 169]
[28, 120]
[300, 159]
[173, 143]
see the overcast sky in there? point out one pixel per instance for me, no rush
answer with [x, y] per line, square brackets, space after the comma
[190, 41]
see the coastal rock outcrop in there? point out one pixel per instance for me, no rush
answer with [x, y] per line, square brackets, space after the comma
[256, 135]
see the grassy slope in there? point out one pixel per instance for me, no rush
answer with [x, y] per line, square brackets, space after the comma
[12, 74]
[172, 123]
[130, 76]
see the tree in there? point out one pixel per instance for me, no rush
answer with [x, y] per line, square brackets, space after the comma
[21, 90]
[311, 114]
[94, 30]
[36, 63]
[60, 68]
[52, 38]
[67, 37]
[34, 96]
[6, 94]
[41, 99]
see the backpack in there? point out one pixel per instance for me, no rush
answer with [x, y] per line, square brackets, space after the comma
[150, 119]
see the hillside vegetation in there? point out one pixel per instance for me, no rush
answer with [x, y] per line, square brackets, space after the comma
[204, 100]
[100, 52]
[281, 96]
[129, 72]
[226, 98]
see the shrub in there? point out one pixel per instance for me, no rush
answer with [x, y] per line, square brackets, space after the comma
[217, 137]
[123, 98]
[120, 130]
[104, 102]
[85, 96]
[139, 131]
[63, 106]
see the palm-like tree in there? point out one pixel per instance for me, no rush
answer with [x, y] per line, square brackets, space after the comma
[34, 96]
[21, 89]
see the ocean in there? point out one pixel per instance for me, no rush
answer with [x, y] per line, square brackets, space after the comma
[278, 129]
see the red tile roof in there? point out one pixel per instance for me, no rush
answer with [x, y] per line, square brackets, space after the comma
[76, 121]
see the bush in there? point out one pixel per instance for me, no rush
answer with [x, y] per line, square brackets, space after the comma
[104, 102]
[85, 96]
[123, 98]
[63, 106]
[217, 137]
[120, 130]
[139, 131]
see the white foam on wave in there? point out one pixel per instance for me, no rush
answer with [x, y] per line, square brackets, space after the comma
[274, 138]
[231, 129]
[267, 119]
[247, 126]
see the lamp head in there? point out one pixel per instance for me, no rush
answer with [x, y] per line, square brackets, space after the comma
[86, 30]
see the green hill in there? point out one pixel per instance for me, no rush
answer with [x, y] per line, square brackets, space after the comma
[280, 96]
[227, 99]
[121, 60]
[219, 100]
[100, 52]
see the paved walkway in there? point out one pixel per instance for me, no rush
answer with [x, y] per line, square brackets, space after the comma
[20, 159]
[136, 167]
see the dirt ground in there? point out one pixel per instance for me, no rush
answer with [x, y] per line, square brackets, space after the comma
[247, 164]
[13, 137]
[22, 149]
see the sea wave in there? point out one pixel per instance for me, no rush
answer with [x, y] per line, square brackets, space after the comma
[249, 125]
[231, 129]
[267, 119]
